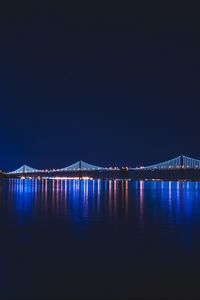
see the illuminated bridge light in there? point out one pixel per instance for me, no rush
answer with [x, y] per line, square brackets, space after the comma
[25, 169]
[81, 165]
[180, 162]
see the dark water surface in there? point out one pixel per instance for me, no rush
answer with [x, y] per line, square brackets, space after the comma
[99, 239]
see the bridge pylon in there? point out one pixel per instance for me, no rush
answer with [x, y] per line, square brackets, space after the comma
[181, 161]
[182, 167]
[80, 169]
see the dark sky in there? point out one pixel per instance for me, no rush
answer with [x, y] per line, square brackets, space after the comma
[112, 83]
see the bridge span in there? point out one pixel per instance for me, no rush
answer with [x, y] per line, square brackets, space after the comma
[79, 169]
[178, 167]
[179, 162]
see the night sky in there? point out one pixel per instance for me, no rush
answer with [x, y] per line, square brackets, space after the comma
[111, 83]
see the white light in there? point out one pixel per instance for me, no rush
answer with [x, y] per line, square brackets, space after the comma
[69, 178]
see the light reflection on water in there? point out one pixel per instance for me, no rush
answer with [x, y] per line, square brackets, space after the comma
[96, 201]
[102, 236]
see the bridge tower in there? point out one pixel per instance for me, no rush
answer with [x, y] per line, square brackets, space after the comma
[80, 169]
[124, 174]
[24, 171]
[181, 161]
[181, 167]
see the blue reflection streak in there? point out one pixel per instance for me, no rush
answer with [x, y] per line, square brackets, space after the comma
[87, 201]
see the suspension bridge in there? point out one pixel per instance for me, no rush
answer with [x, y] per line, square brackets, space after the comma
[179, 163]
[78, 166]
